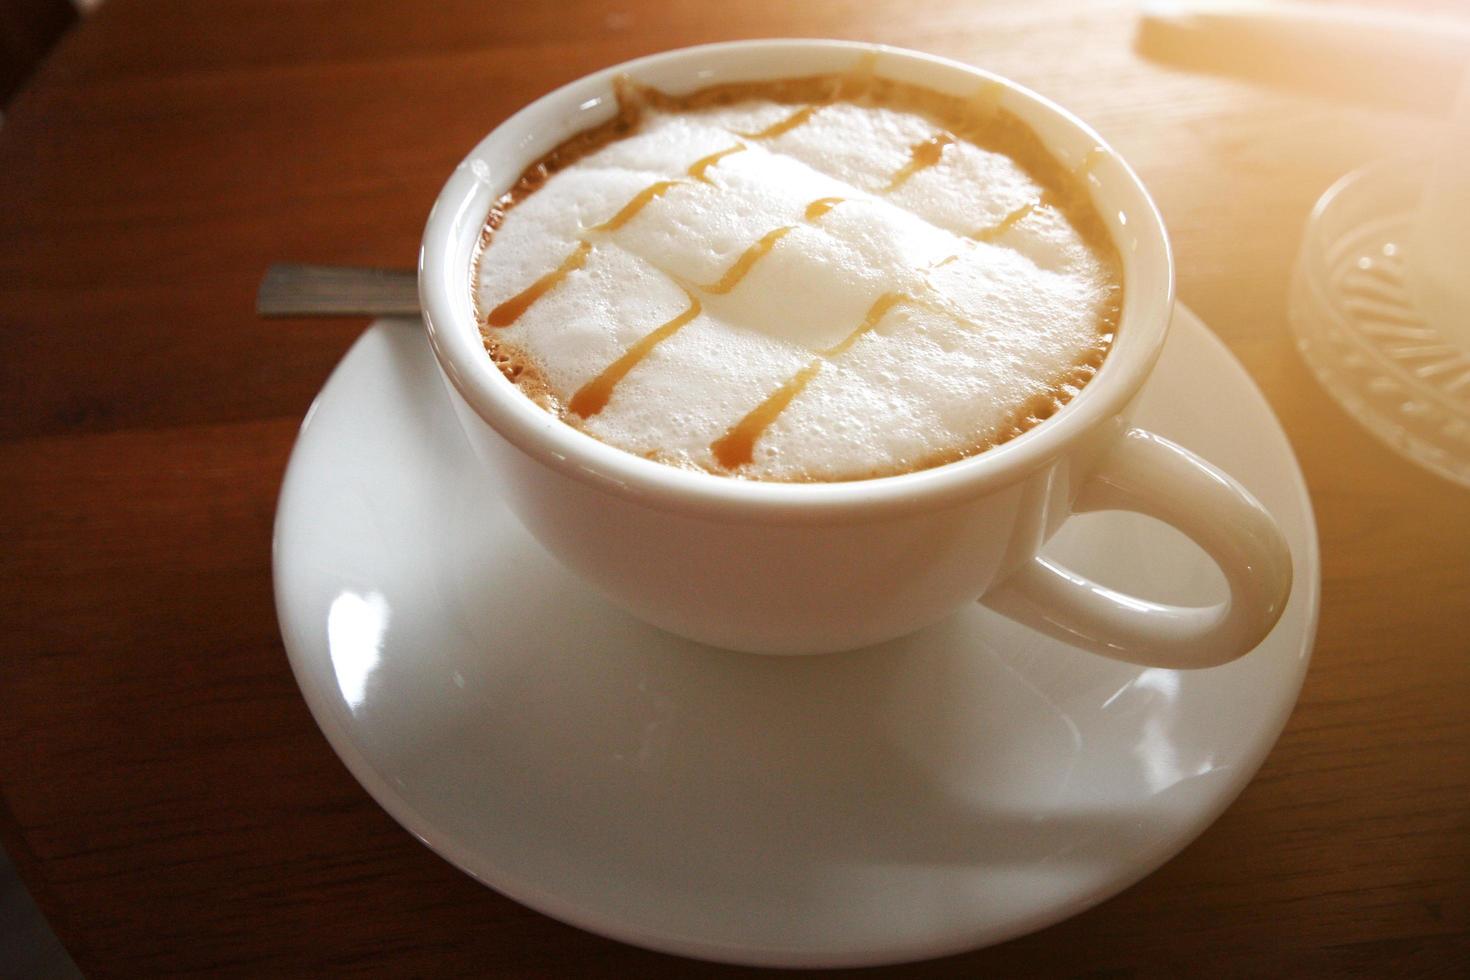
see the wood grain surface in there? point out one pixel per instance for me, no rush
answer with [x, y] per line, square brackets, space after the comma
[165, 791]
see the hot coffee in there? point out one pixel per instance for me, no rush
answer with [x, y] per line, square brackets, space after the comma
[827, 278]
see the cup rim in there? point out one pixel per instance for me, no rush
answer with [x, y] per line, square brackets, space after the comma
[446, 295]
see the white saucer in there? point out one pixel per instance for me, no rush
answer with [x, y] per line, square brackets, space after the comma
[943, 792]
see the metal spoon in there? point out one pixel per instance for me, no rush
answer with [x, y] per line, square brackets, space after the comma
[333, 290]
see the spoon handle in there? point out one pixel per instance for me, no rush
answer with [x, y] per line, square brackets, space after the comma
[329, 290]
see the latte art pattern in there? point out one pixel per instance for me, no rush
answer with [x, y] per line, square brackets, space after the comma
[873, 280]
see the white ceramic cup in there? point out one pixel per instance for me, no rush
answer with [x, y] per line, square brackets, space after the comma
[810, 568]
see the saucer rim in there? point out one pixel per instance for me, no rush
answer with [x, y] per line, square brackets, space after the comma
[525, 892]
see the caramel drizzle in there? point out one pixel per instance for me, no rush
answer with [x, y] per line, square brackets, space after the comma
[737, 446]
[659, 188]
[821, 206]
[748, 258]
[991, 232]
[880, 308]
[639, 202]
[698, 167]
[506, 313]
[784, 126]
[922, 156]
[757, 251]
[1046, 199]
[593, 396]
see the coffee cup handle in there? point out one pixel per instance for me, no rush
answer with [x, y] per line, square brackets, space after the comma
[1148, 474]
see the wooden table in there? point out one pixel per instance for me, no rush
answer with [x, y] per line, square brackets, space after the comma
[164, 789]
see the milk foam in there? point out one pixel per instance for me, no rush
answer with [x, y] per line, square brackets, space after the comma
[977, 338]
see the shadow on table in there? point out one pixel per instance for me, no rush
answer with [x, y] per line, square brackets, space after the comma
[28, 947]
